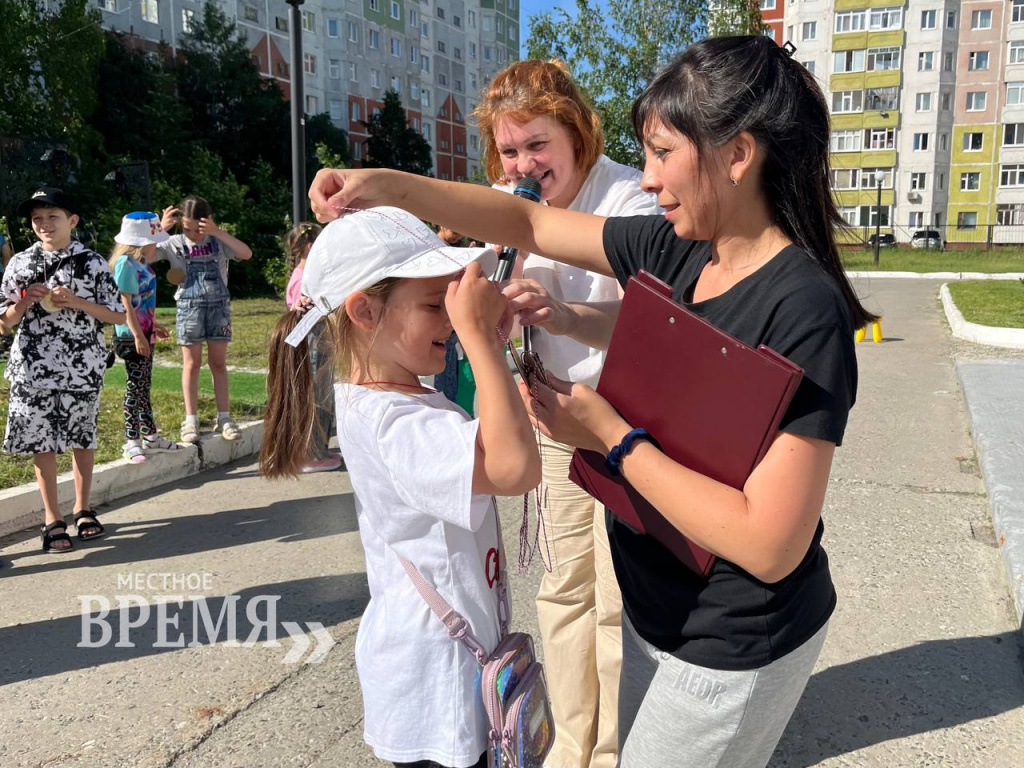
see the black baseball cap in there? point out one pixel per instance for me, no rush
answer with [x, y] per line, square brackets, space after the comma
[47, 196]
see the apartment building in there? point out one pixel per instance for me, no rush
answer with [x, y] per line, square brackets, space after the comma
[437, 54]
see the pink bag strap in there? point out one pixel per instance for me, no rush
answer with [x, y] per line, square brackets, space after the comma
[454, 621]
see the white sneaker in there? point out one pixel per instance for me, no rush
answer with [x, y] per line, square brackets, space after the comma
[229, 429]
[189, 432]
[159, 444]
[132, 450]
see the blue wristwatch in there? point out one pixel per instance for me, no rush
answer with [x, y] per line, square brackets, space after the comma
[615, 456]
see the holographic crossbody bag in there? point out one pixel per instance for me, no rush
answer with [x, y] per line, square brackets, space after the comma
[515, 693]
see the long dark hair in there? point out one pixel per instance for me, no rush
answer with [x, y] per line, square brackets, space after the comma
[723, 86]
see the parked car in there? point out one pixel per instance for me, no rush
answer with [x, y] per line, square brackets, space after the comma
[885, 240]
[926, 238]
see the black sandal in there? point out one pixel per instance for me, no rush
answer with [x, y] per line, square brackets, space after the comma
[49, 537]
[91, 528]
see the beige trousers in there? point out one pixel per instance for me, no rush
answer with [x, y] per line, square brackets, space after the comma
[579, 608]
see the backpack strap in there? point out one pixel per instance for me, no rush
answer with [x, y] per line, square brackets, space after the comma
[454, 621]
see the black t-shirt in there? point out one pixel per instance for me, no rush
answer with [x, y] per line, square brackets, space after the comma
[731, 620]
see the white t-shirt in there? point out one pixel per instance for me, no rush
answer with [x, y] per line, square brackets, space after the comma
[611, 189]
[410, 459]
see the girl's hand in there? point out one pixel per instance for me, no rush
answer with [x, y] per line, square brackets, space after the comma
[170, 217]
[333, 190]
[65, 298]
[574, 414]
[208, 226]
[302, 305]
[160, 333]
[142, 346]
[474, 305]
[535, 306]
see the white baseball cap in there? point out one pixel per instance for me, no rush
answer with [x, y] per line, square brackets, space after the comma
[140, 228]
[362, 248]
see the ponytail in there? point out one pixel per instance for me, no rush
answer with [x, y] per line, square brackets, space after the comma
[289, 416]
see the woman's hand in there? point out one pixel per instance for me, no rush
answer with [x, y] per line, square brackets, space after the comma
[574, 414]
[475, 307]
[333, 190]
[533, 305]
[170, 217]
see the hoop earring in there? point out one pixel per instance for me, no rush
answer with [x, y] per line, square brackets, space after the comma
[734, 182]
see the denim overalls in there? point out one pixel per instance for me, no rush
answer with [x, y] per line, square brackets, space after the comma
[204, 304]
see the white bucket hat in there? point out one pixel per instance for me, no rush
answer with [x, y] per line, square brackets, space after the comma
[140, 228]
[362, 248]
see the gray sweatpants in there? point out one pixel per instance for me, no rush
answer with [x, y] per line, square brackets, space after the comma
[678, 715]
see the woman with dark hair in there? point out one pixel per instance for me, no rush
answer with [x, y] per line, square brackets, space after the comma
[736, 136]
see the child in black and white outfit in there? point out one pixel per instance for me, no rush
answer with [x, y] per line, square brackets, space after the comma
[61, 293]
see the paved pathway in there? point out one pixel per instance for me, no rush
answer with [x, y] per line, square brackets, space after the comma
[922, 666]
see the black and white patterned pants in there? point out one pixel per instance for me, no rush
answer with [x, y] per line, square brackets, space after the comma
[138, 410]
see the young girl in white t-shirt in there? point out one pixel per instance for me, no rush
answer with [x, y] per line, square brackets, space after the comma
[423, 472]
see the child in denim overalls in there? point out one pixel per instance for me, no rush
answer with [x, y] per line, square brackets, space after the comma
[199, 267]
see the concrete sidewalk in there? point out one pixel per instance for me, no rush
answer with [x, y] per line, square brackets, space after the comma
[921, 667]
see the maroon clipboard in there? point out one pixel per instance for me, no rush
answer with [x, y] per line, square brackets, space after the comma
[713, 404]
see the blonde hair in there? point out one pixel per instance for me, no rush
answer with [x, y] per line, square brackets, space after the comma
[120, 249]
[289, 418]
[301, 236]
[530, 89]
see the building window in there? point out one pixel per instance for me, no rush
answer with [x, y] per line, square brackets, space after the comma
[414, 55]
[353, 32]
[869, 180]
[849, 61]
[457, 21]
[251, 13]
[425, 62]
[846, 141]
[883, 58]
[442, 78]
[977, 60]
[849, 215]
[845, 178]
[947, 62]
[472, 51]
[457, 53]
[442, 46]
[375, 78]
[809, 66]
[924, 102]
[1014, 93]
[353, 72]
[946, 101]
[425, 98]
[872, 215]
[1017, 16]
[926, 61]
[375, 39]
[981, 19]
[1010, 214]
[1013, 135]
[357, 150]
[487, 53]
[918, 181]
[309, 21]
[356, 112]
[375, 5]
[769, 32]
[943, 141]
[473, 84]
[850, 21]
[880, 138]
[766, 5]
[967, 220]
[941, 184]
[281, 23]
[396, 47]
[188, 20]
[427, 130]
[312, 105]
[309, 63]
[414, 90]
[809, 30]
[916, 219]
[974, 142]
[847, 101]
[471, 18]
[336, 110]
[927, 19]
[474, 142]
[396, 10]
[976, 101]
[396, 84]
[883, 99]
[334, 69]
[425, 30]
[970, 182]
[920, 142]
[885, 18]
[333, 28]
[1017, 52]
[150, 11]
[951, 20]
[440, 13]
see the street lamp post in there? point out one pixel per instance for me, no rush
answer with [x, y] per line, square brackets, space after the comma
[298, 115]
[879, 179]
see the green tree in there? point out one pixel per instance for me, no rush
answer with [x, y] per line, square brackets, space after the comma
[236, 112]
[326, 145]
[735, 17]
[392, 142]
[48, 63]
[614, 49]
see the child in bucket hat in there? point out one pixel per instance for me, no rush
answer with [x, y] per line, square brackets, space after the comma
[423, 471]
[134, 339]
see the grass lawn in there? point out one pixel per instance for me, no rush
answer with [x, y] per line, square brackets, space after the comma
[252, 320]
[990, 302]
[919, 260]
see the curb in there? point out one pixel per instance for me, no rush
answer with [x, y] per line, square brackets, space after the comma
[21, 507]
[996, 412]
[941, 275]
[1009, 338]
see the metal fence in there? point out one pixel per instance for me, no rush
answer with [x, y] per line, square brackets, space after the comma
[985, 237]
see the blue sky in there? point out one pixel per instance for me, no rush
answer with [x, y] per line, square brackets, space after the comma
[528, 8]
